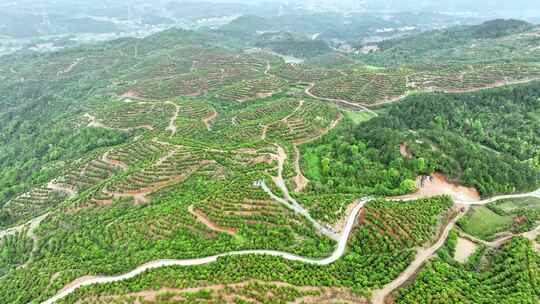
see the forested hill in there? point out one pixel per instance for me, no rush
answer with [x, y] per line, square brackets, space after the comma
[456, 36]
[487, 139]
[493, 40]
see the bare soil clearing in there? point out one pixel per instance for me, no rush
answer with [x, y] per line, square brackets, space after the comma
[172, 123]
[131, 95]
[404, 151]
[300, 180]
[464, 249]
[437, 185]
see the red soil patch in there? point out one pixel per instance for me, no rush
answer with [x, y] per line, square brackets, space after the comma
[437, 185]
[201, 217]
[404, 150]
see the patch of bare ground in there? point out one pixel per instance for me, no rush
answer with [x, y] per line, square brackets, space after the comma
[201, 217]
[131, 94]
[94, 123]
[208, 120]
[70, 67]
[300, 180]
[264, 132]
[464, 249]
[172, 123]
[62, 188]
[265, 158]
[404, 151]
[436, 185]
[340, 225]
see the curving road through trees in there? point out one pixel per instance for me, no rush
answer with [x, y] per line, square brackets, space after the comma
[337, 254]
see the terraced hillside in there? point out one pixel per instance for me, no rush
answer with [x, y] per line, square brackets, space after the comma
[182, 168]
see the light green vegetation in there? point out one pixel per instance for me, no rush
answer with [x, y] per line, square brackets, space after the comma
[509, 276]
[515, 204]
[380, 248]
[359, 117]
[15, 250]
[483, 223]
[145, 149]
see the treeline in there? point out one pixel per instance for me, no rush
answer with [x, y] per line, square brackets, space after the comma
[341, 162]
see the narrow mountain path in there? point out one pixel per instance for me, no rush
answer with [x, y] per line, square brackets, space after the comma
[502, 197]
[399, 98]
[208, 120]
[300, 180]
[201, 217]
[289, 201]
[32, 225]
[339, 101]
[172, 123]
[379, 296]
[530, 235]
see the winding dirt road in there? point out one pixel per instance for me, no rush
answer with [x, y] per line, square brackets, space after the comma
[378, 296]
[501, 197]
[339, 101]
[32, 226]
[422, 256]
[338, 252]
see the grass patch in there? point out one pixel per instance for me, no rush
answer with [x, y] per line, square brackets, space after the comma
[310, 164]
[483, 223]
[515, 204]
[359, 117]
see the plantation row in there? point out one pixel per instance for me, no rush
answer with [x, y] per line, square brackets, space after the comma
[363, 87]
[456, 78]
[310, 121]
[29, 205]
[303, 73]
[137, 152]
[199, 71]
[252, 89]
[360, 270]
[171, 168]
[128, 116]
[249, 292]
[15, 250]
[194, 118]
[87, 176]
[510, 274]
